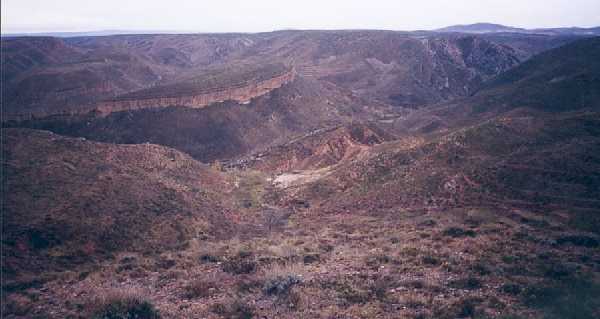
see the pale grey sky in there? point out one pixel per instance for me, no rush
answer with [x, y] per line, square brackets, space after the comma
[268, 15]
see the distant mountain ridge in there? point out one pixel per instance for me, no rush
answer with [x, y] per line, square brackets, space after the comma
[480, 28]
[475, 28]
[93, 33]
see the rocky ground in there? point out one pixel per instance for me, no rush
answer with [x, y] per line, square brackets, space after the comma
[484, 262]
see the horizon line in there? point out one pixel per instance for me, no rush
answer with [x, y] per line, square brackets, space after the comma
[190, 31]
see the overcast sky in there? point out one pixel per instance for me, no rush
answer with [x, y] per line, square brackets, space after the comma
[268, 15]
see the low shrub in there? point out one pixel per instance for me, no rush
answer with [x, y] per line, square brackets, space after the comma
[511, 288]
[457, 232]
[481, 269]
[236, 309]
[430, 260]
[123, 304]
[279, 279]
[379, 288]
[311, 258]
[242, 263]
[281, 284]
[466, 283]
[16, 304]
[200, 288]
[465, 307]
[579, 240]
[209, 258]
[247, 284]
[353, 295]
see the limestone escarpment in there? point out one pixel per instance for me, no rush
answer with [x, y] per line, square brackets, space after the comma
[223, 130]
[190, 95]
[241, 92]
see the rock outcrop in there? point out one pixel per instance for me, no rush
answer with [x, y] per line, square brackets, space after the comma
[200, 97]
[317, 149]
[242, 93]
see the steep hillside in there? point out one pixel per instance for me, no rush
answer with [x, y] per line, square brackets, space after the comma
[71, 201]
[561, 79]
[221, 130]
[401, 69]
[47, 75]
[566, 78]
[496, 145]
[21, 55]
[513, 159]
[528, 45]
[89, 70]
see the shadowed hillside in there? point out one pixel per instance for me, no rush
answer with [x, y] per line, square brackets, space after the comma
[566, 78]
[72, 201]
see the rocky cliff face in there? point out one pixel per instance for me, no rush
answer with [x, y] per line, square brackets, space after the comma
[317, 149]
[241, 93]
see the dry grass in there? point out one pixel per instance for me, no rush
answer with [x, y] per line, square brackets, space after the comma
[122, 303]
[283, 270]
